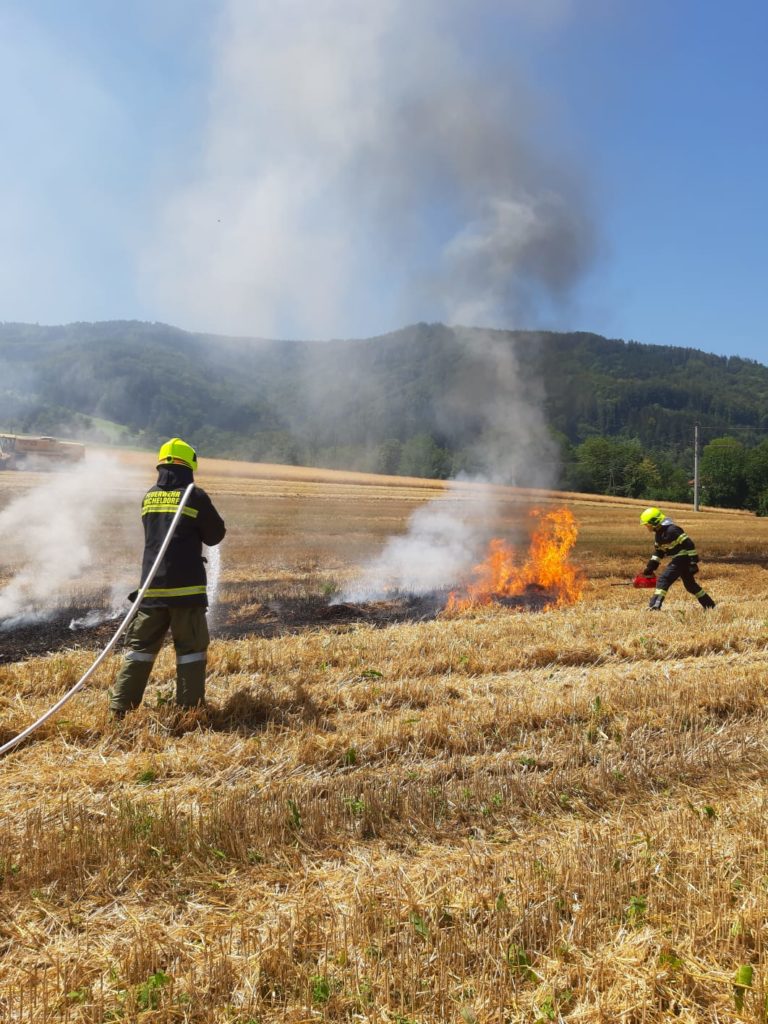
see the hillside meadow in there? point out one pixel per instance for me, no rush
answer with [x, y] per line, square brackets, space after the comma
[498, 816]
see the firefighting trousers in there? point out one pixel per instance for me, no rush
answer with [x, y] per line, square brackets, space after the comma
[189, 629]
[680, 570]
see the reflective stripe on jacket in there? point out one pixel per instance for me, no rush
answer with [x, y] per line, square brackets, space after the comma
[671, 541]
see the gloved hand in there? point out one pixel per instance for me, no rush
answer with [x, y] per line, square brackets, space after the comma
[650, 569]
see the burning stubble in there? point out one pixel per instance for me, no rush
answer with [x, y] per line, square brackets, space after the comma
[544, 578]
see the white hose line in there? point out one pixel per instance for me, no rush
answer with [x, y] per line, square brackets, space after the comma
[120, 630]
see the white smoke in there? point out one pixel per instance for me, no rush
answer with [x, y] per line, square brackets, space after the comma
[361, 168]
[111, 606]
[445, 538]
[520, 250]
[96, 616]
[363, 165]
[499, 397]
[442, 542]
[48, 532]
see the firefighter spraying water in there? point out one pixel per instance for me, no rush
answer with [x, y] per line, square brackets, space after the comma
[178, 599]
[149, 576]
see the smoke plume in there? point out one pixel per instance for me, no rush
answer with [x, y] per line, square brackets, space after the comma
[366, 165]
[442, 541]
[48, 531]
[446, 537]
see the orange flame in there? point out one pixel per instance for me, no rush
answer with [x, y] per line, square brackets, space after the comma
[547, 567]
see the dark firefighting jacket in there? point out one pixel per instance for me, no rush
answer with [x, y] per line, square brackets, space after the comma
[672, 542]
[180, 579]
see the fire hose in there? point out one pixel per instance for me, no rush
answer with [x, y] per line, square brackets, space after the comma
[120, 630]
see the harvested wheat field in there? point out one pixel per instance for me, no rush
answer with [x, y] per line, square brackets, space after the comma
[390, 813]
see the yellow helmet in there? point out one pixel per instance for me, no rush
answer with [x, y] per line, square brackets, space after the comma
[652, 517]
[177, 449]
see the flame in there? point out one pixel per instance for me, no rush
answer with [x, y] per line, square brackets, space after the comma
[547, 567]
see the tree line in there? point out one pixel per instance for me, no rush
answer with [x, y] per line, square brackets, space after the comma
[732, 474]
[621, 415]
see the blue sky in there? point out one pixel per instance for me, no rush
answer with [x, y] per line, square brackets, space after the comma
[334, 168]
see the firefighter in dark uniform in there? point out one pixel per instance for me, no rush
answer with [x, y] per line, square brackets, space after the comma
[177, 597]
[672, 542]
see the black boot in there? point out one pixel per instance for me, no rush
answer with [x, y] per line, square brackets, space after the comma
[655, 603]
[706, 601]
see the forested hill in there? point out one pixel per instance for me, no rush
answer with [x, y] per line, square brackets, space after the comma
[366, 403]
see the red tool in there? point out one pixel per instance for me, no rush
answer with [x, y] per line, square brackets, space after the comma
[644, 582]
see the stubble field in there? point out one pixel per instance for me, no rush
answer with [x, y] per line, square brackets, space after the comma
[499, 816]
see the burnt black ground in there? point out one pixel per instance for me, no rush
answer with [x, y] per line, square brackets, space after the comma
[46, 637]
[272, 618]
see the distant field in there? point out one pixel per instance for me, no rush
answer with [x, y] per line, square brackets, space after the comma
[503, 816]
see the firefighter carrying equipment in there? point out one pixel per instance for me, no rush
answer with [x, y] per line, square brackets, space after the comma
[180, 579]
[177, 449]
[671, 541]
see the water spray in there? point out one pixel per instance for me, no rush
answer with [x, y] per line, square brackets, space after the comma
[213, 557]
[120, 630]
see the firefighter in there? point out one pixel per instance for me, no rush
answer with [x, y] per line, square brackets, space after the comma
[672, 542]
[177, 597]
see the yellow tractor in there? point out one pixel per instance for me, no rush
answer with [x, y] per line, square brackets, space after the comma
[19, 452]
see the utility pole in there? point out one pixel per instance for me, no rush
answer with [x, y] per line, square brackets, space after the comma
[696, 468]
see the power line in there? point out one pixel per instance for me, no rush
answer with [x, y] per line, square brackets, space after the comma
[744, 426]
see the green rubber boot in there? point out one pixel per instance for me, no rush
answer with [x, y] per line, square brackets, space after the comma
[190, 679]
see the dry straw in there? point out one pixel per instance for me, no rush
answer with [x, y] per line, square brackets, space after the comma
[500, 817]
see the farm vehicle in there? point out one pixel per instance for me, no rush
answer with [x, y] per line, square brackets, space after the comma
[19, 452]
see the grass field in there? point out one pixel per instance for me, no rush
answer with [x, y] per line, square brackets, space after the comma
[500, 816]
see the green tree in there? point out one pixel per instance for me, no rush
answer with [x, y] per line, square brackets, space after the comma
[643, 478]
[723, 472]
[756, 472]
[421, 456]
[609, 465]
[675, 483]
[388, 457]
